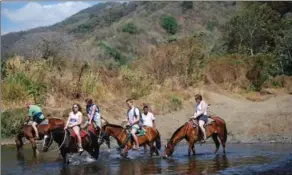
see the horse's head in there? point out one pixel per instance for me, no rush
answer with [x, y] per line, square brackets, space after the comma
[105, 135]
[169, 149]
[53, 135]
[48, 140]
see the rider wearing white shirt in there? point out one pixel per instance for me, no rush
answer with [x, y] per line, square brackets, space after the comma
[201, 114]
[148, 117]
[133, 119]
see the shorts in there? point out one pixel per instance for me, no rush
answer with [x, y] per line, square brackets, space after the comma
[136, 126]
[38, 120]
[97, 122]
[203, 118]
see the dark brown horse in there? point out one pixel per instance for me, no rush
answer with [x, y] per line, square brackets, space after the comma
[126, 142]
[28, 132]
[67, 141]
[192, 134]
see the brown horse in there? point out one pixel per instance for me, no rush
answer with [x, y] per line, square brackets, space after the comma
[125, 140]
[28, 132]
[192, 134]
[67, 141]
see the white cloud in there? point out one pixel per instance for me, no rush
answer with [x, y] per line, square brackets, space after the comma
[34, 14]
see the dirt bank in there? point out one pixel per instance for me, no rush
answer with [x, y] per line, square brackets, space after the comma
[247, 121]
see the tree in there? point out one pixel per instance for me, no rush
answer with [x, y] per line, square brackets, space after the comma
[169, 24]
[130, 27]
[251, 30]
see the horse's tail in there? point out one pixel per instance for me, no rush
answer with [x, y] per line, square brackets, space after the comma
[225, 132]
[18, 140]
[158, 141]
[221, 122]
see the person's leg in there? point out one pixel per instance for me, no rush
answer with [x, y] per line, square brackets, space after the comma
[133, 132]
[97, 123]
[34, 126]
[77, 131]
[201, 124]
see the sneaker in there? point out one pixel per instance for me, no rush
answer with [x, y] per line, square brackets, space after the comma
[80, 150]
[135, 148]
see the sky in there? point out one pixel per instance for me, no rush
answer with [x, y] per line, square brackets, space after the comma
[20, 16]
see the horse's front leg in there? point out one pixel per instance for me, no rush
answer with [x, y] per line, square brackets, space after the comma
[191, 147]
[64, 155]
[145, 147]
[125, 152]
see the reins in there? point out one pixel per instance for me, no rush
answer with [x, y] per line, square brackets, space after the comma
[51, 139]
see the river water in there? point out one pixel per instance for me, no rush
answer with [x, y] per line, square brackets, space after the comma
[240, 159]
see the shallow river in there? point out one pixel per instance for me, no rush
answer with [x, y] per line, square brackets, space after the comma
[239, 159]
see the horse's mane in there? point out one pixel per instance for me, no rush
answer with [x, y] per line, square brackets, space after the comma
[112, 125]
[175, 132]
[49, 117]
[58, 130]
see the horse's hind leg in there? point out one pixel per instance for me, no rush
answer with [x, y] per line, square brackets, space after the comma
[34, 147]
[152, 148]
[217, 143]
[223, 141]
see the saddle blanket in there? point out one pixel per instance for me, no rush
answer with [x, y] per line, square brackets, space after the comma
[44, 122]
[210, 121]
[82, 133]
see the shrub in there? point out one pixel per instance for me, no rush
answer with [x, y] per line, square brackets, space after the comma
[138, 83]
[175, 103]
[210, 26]
[15, 86]
[3, 69]
[130, 27]
[169, 24]
[12, 121]
[115, 53]
[261, 69]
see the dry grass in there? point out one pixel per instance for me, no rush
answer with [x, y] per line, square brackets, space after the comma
[164, 78]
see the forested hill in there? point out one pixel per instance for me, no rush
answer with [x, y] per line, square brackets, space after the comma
[128, 28]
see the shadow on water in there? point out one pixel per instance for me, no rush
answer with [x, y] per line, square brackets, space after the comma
[240, 159]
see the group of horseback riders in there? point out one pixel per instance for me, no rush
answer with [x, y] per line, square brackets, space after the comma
[135, 119]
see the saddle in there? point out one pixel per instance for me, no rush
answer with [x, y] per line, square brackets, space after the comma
[83, 133]
[196, 124]
[140, 132]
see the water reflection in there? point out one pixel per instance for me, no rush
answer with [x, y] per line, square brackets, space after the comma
[238, 159]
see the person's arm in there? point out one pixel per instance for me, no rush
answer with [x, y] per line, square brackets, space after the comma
[29, 115]
[203, 109]
[153, 120]
[137, 119]
[92, 113]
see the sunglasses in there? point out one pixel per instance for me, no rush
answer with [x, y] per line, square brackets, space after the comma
[75, 107]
